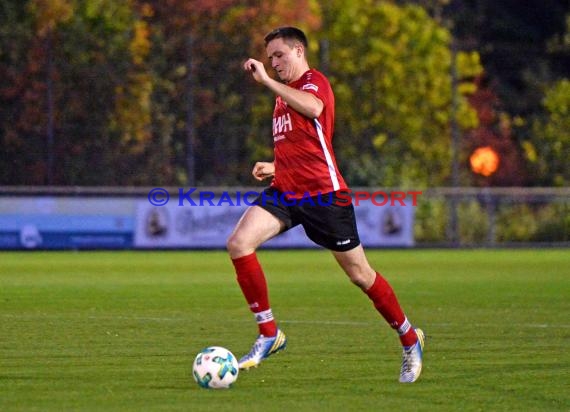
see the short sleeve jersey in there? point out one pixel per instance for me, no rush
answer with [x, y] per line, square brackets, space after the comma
[305, 163]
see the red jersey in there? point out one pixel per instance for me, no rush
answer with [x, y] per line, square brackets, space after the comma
[304, 157]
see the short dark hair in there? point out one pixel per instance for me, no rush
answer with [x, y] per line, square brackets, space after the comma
[287, 33]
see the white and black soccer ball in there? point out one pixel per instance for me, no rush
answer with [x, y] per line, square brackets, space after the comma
[215, 368]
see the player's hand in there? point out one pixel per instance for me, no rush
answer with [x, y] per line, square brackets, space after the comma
[257, 69]
[263, 170]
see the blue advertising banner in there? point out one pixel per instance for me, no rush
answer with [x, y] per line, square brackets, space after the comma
[66, 223]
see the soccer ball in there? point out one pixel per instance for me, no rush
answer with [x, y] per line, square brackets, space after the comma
[215, 368]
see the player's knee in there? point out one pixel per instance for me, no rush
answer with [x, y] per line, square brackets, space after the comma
[361, 277]
[358, 281]
[236, 246]
[232, 244]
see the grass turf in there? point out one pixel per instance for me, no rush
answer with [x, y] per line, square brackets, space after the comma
[113, 331]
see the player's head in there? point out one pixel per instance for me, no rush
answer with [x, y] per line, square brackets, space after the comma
[285, 48]
[291, 35]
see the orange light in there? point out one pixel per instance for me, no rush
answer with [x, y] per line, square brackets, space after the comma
[484, 161]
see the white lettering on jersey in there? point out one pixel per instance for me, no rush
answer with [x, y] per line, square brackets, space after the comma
[282, 124]
[310, 86]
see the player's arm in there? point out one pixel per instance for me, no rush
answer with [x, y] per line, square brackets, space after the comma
[263, 170]
[304, 102]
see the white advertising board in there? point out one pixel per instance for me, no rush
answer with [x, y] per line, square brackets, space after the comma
[209, 226]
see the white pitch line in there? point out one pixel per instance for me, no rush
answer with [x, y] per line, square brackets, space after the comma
[290, 321]
[445, 325]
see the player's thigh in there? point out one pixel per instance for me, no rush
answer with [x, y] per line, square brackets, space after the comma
[255, 227]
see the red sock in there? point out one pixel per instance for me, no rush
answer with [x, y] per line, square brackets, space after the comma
[385, 301]
[252, 282]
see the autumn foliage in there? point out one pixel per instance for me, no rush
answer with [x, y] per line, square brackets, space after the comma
[151, 92]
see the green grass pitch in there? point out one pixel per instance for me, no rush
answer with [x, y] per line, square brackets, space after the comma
[114, 331]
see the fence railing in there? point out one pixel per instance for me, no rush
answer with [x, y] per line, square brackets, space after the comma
[494, 216]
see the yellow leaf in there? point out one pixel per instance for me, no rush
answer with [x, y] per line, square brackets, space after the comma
[530, 151]
[379, 140]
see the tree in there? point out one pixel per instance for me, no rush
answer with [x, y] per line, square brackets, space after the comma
[27, 66]
[390, 67]
[513, 38]
[125, 93]
[549, 150]
[525, 52]
[231, 115]
[85, 84]
[495, 130]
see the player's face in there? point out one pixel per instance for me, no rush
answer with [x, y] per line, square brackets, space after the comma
[284, 59]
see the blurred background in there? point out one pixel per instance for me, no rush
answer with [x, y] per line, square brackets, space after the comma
[466, 100]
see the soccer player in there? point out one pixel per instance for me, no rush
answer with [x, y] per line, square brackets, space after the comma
[304, 168]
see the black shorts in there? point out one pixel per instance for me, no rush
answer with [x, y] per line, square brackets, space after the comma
[326, 220]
